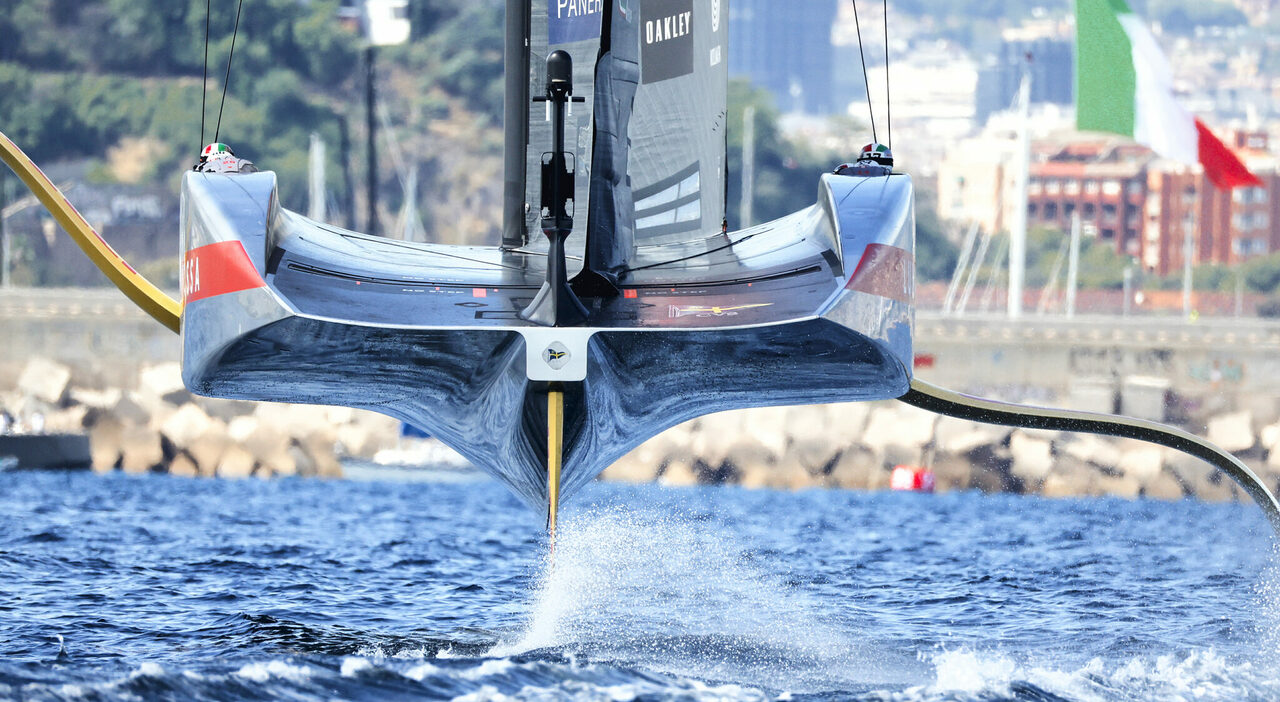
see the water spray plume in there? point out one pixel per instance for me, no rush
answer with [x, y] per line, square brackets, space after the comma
[686, 597]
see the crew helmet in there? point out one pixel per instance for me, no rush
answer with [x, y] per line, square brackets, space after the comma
[215, 149]
[878, 153]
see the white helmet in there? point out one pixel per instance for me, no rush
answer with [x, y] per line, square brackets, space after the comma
[878, 153]
[215, 149]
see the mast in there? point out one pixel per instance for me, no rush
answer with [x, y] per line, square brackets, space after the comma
[315, 179]
[6, 260]
[515, 123]
[975, 267]
[408, 224]
[1073, 265]
[966, 251]
[745, 214]
[384, 25]
[1188, 252]
[348, 183]
[1018, 234]
[1128, 289]
[371, 146]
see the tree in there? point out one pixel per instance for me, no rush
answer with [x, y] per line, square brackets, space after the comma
[1101, 267]
[83, 74]
[462, 56]
[936, 255]
[1262, 274]
[772, 198]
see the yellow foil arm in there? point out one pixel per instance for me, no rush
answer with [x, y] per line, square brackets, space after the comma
[141, 291]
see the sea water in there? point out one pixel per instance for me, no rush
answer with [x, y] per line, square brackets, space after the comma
[150, 587]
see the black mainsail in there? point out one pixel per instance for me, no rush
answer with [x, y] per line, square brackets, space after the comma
[534, 30]
[677, 131]
[650, 146]
[661, 99]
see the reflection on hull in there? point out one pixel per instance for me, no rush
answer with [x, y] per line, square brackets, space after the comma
[807, 309]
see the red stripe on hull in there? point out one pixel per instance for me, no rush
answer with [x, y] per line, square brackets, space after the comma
[887, 271]
[218, 269]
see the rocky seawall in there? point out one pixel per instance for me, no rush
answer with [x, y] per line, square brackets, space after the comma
[157, 426]
[857, 445]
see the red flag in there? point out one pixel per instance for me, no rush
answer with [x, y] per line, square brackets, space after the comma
[1223, 167]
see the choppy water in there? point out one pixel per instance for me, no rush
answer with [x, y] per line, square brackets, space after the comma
[152, 587]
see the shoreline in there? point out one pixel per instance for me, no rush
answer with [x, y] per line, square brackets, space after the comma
[745, 447]
[158, 426]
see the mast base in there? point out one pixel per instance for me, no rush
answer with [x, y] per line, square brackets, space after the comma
[590, 283]
[555, 306]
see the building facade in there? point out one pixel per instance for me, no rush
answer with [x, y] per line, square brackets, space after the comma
[1104, 181]
[1146, 207]
[1224, 227]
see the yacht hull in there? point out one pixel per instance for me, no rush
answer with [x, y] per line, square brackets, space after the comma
[816, 307]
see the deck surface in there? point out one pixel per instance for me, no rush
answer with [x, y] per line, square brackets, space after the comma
[756, 277]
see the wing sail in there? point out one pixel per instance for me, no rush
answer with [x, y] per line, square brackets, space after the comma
[658, 169]
[576, 27]
[677, 130]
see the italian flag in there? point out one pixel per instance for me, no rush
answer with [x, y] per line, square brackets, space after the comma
[1124, 85]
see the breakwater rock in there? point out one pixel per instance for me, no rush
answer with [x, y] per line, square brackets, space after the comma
[151, 423]
[857, 445]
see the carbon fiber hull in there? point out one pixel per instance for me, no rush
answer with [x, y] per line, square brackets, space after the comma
[815, 307]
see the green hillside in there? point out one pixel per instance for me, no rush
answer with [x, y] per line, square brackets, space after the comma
[81, 78]
[118, 82]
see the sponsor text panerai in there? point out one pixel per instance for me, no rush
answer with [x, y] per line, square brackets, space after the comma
[578, 8]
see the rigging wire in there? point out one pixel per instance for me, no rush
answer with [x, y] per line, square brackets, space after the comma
[204, 81]
[888, 104]
[858, 25]
[225, 81]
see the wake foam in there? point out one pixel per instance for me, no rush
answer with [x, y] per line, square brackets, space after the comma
[675, 594]
[262, 672]
[1200, 675]
[1267, 594]
[960, 675]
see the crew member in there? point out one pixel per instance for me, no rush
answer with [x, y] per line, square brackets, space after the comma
[874, 160]
[877, 153]
[219, 158]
